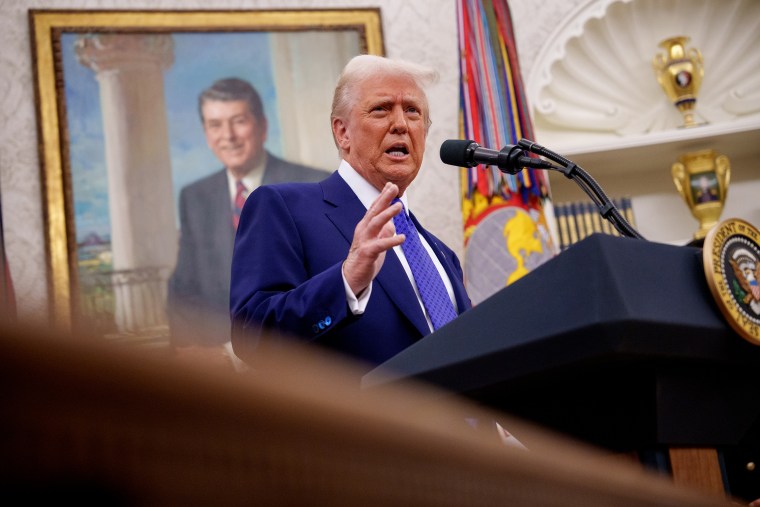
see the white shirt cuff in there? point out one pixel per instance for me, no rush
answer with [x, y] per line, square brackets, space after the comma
[356, 305]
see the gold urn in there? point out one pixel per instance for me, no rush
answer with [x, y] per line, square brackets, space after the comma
[701, 178]
[680, 71]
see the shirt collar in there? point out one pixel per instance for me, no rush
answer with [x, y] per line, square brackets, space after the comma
[361, 187]
[252, 180]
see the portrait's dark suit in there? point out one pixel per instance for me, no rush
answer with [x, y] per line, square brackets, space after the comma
[286, 275]
[199, 288]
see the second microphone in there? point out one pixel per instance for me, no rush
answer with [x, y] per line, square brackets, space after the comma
[511, 159]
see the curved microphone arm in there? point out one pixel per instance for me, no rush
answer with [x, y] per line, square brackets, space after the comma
[572, 171]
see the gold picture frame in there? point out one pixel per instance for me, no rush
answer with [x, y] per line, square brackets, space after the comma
[50, 27]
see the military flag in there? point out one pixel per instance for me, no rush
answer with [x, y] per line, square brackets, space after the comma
[505, 216]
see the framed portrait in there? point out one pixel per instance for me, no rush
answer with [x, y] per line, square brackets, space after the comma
[121, 133]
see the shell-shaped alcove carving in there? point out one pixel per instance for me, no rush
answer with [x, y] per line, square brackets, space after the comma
[594, 77]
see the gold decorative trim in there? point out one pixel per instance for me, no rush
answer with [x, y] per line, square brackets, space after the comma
[731, 257]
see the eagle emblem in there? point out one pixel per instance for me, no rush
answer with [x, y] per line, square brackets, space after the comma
[747, 272]
[731, 257]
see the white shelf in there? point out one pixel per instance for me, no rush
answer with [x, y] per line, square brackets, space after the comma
[739, 140]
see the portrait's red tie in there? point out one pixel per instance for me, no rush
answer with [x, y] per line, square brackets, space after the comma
[240, 196]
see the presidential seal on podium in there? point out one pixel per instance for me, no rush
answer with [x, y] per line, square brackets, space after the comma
[731, 257]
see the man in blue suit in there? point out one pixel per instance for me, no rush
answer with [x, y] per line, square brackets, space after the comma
[321, 261]
[235, 127]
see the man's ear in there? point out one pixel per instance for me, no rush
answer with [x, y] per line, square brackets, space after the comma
[340, 133]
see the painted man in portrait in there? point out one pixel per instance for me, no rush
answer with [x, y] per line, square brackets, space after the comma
[235, 128]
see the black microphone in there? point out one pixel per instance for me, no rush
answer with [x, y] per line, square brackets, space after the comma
[511, 159]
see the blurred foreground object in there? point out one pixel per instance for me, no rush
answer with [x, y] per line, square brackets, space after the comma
[91, 422]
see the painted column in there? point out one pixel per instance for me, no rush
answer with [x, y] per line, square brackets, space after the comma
[129, 69]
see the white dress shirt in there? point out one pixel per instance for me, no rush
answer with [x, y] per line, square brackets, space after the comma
[251, 181]
[367, 195]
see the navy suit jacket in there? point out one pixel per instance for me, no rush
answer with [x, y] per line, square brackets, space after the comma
[199, 289]
[286, 276]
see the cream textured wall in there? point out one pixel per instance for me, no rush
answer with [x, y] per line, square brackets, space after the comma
[417, 30]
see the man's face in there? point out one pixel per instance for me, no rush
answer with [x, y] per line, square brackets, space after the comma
[383, 136]
[234, 134]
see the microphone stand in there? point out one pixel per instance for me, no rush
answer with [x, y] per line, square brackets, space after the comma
[572, 171]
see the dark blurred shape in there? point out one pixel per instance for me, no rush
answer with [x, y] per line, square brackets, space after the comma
[97, 423]
[64, 490]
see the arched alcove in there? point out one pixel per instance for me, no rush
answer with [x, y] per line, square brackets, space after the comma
[595, 99]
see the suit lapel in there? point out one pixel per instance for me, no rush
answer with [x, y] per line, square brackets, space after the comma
[222, 230]
[270, 171]
[392, 279]
[346, 209]
[395, 282]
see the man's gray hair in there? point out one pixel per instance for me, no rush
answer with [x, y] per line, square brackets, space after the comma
[363, 67]
[230, 89]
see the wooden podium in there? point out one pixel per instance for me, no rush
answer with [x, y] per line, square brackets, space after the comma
[616, 342]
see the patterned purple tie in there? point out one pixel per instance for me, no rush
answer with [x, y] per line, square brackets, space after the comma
[432, 290]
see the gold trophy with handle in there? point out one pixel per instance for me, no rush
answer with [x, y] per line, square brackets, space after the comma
[680, 71]
[702, 177]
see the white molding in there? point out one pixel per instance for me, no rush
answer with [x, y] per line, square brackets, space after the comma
[594, 75]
